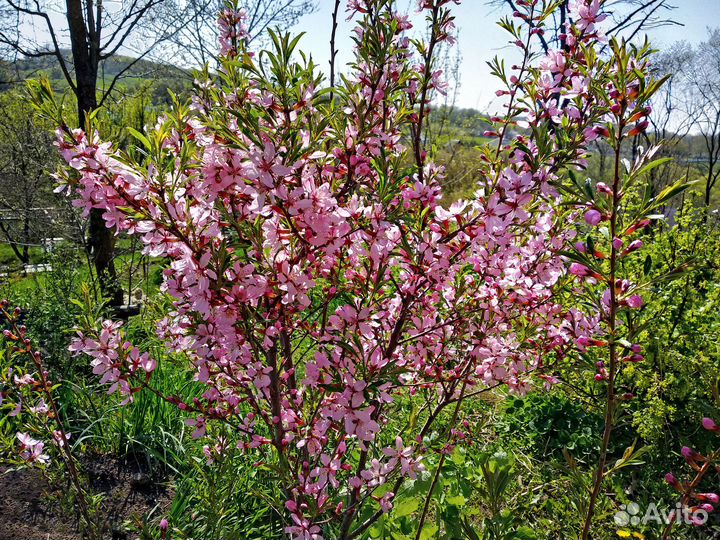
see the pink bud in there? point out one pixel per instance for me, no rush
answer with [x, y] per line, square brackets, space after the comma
[639, 128]
[710, 425]
[577, 269]
[635, 301]
[670, 479]
[617, 243]
[637, 226]
[711, 497]
[593, 217]
[634, 246]
[602, 187]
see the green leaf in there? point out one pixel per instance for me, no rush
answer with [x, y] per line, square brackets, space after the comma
[456, 500]
[525, 533]
[652, 165]
[671, 191]
[647, 265]
[140, 137]
[457, 457]
[428, 532]
[405, 508]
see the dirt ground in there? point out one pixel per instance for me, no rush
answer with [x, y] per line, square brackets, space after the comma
[27, 510]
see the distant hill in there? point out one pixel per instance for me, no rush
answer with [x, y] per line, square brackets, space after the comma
[160, 77]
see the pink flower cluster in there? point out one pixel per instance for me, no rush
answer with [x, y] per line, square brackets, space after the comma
[317, 281]
[114, 360]
[28, 396]
[232, 30]
[31, 450]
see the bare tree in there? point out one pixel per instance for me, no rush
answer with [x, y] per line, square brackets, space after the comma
[26, 196]
[627, 18]
[703, 104]
[194, 40]
[668, 121]
[669, 124]
[96, 32]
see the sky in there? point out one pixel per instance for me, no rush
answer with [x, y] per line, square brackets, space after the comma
[481, 39]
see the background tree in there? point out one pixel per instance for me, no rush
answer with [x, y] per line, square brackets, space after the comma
[629, 17]
[26, 197]
[194, 41]
[96, 33]
[702, 104]
[668, 124]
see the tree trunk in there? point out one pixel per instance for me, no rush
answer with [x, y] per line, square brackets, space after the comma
[85, 44]
[26, 236]
[709, 184]
[101, 245]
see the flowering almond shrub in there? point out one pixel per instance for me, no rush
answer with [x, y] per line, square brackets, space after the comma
[611, 283]
[319, 285]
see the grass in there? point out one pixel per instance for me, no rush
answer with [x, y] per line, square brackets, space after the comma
[8, 258]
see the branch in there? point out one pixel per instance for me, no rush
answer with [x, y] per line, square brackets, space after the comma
[51, 30]
[628, 19]
[136, 17]
[117, 77]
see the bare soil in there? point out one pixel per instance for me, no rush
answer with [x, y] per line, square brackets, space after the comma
[30, 509]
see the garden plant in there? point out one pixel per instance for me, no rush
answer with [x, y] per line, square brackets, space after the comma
[341, 326]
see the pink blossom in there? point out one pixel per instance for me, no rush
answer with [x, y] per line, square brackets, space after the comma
[31, 450]
[199, 425]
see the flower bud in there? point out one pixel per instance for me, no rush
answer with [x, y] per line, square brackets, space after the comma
[637, 226]
[603, 188]
[674, 482]
[710, 497]
[634, 246]
[710, 425]
[593, 217]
